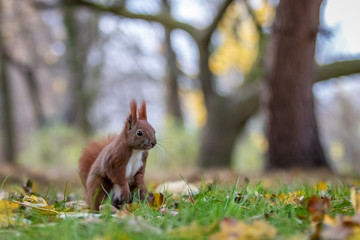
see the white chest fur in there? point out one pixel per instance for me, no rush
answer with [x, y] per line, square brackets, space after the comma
[134, 164]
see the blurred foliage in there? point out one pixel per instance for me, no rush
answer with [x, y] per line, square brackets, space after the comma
[239, 37]
[239, 44]
[176, 147]
[265, 13]
[195, 106]
[249, 152]
[53, 145]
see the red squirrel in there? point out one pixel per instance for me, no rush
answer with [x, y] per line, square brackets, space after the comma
[116, 165]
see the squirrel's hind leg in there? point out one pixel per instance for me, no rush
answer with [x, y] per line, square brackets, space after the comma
[97, 192]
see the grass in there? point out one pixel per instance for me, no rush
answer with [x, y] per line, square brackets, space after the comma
[197, 218]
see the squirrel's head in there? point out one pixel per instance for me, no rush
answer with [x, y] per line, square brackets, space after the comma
[139, 133]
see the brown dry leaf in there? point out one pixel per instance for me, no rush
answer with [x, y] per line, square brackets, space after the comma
[318, 205]
[233, 229]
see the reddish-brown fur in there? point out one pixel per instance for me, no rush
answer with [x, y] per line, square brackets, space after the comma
[90, 154]
[103, 163]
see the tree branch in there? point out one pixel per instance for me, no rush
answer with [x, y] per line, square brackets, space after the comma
[338, 69]
[207, 32]
[253, 16]
[161, 17]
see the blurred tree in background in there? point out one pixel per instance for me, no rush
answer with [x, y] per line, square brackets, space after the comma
[292, 128]
[82, 61]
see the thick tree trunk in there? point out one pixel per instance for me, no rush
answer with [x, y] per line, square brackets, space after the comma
[226, 119]
[292, 129]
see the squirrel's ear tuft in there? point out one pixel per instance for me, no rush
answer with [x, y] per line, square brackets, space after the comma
[142, 111]
[132, 116]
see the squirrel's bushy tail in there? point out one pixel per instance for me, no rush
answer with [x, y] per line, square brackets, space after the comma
[90, 154]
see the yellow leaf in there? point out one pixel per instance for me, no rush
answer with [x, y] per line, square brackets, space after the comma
[44, 210]
[192, 231]
[265, 14]
[233, 229]
[6, 220]
[333, 222]
[195, 103]
[35, 200]
[7, 209]
[156, 200]
[355, 199]
[355, 235]
[7, 206]
[132, 207]
[239, 46]
[321, 186]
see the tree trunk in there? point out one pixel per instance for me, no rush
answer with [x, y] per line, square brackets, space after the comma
[9, 146]
[78, 104]
[171, 76]
[7, 114]
[33, 88]
[226, 119]
[291, 124]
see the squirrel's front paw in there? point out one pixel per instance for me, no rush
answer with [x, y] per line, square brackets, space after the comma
[120, 196]
[126, 195]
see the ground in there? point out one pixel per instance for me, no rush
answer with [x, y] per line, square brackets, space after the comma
[226, 205]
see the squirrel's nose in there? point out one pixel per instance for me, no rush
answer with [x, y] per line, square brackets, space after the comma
[153, 143]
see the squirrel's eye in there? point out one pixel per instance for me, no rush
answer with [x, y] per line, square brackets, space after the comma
[139, 133]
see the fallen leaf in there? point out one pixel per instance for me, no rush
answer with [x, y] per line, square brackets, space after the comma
[131, 207]
[321, 186]
[7, 215]
[355, 199]
[108, 207]
[45, 210]
[178, 187]
[122, 213]
[192, 231]
[7, 220]
[76, 205]
[35, 201]
[156, 200]
[233, 229]
[318, 205]
[355, 235]
[7, 206]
